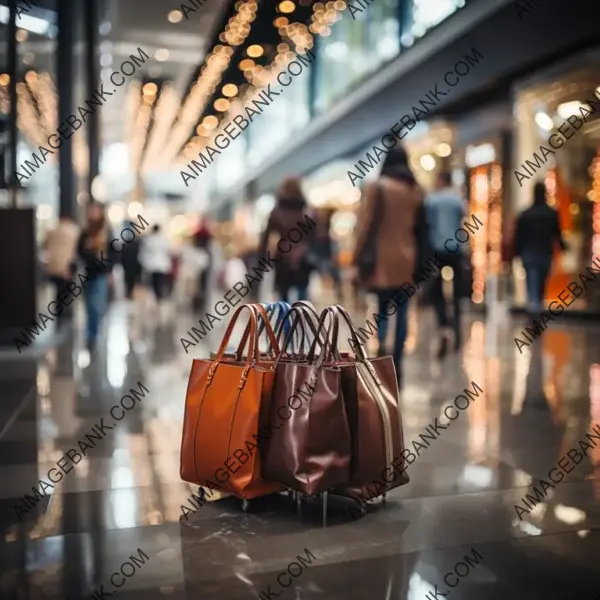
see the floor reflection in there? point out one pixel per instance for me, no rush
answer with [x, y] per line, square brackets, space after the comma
[127, 494]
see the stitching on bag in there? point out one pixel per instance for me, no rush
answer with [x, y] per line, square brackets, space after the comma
[196, 431]
[237, 400]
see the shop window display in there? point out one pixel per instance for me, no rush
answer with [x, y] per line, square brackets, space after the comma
[571, 176]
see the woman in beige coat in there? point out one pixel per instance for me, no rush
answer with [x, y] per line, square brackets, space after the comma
[392, 223]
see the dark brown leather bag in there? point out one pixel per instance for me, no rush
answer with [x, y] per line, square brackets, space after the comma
[371, 398]
[308, 449]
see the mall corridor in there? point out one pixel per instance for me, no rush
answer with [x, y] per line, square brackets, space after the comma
[127, 495]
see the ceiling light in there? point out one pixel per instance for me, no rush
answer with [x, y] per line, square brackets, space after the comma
[175, 16]
[255, 50]
[22, 35]
[149, 89]
[443, 150]
[28, 58]
[287, 6]
[221, 104]
[4, 79]
[201, 131]
[544, 121]
[161, 54]
[210, 122]
[428, 162]
[281, 22]
[230, 90]
[569, 109]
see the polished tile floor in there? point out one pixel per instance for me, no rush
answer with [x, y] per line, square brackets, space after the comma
[126, 496]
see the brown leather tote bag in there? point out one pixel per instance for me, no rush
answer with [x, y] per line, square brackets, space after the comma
[225, 403]
[309, 445]
[371, 398]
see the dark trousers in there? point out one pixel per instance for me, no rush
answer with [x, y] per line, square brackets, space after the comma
[455, 262]
[132, 277]
[160, 283]
[301, 292]
[60, 284]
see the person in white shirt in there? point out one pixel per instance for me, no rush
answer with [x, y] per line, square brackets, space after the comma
[156, 260]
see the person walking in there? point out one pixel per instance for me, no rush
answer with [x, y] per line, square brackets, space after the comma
[326, 252]
[132, 268]
[445, 212]
[93, 245]
[293, 271]
[156, 261]
[391, 241]
[61, 255]
[203, 242]
[537, 236]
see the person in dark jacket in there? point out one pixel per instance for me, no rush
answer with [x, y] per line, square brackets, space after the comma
[537, 235]
[292, 271]
[401, 234]
[326, 252]
[203, 241]
[94, 244]
[132, 268]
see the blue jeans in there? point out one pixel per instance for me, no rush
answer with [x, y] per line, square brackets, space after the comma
[96, 299]
[537, 269]
[385, 297]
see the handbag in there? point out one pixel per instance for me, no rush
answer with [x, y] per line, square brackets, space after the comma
[226, 404]
[371, 398]
[367, 256]
[308, 449]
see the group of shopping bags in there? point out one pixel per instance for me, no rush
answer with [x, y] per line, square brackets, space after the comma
[285, 409]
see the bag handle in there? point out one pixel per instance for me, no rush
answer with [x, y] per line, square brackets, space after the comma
[278, 308]
[253, 355]
[264, 325]
[358, 348]
[329, 351]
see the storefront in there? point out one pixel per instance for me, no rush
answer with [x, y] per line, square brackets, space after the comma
[571, 174]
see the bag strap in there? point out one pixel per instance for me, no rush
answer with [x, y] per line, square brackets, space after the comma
[264, 325]
[252, 336]
[359, 351]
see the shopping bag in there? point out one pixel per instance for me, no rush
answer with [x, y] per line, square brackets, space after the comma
[308, 443]
[226, 403]
[371, 398]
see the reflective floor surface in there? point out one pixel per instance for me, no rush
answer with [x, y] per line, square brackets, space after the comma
[125, 499]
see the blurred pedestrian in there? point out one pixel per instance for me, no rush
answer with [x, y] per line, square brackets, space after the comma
[156, 261]
[94, 243]
[293, 271]
[537, 235]
[60, 258]
[132, 267]
[445, 212]
[203, 241]
[193, 261]
[391, 241]
[325, 250]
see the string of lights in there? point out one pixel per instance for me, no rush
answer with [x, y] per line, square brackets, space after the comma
[296, 35]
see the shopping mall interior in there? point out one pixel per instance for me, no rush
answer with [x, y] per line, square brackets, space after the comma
[189, 116]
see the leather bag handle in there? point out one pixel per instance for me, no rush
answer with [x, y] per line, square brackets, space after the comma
[265, 325]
